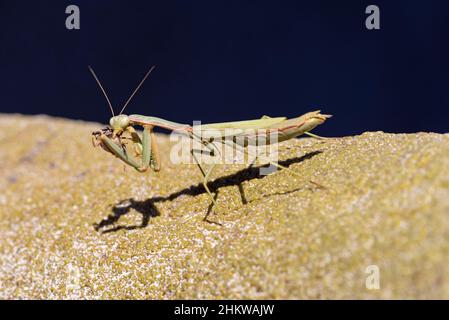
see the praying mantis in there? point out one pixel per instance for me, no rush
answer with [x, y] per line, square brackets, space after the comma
[111, 139]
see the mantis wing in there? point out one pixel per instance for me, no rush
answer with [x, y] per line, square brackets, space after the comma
[241, 132]
[266, 129]
[262, 123]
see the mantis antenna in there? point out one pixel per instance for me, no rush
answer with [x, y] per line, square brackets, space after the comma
[137, 89]
[102, 89]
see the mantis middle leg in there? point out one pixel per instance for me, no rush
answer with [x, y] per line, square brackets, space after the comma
[205, 174]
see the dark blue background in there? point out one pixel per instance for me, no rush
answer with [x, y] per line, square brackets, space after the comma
[232, 60]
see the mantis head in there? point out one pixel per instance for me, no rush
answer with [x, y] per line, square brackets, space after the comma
[110, 139]
[119, 123]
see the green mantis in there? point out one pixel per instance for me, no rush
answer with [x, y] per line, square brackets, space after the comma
[240, 134]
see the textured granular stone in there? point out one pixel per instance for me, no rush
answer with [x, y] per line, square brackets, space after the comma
[74, 223]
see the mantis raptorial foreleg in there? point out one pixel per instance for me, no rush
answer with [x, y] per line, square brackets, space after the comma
[146, 150]
[155, 161]
[118, 152]
[145, 146]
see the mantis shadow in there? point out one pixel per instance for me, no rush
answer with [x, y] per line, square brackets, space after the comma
[148, 209]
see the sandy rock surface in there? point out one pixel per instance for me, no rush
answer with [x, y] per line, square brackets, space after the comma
[75, 224]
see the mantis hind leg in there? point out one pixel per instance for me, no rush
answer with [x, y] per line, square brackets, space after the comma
[315, 136]
[294, 173]
[266, 159]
